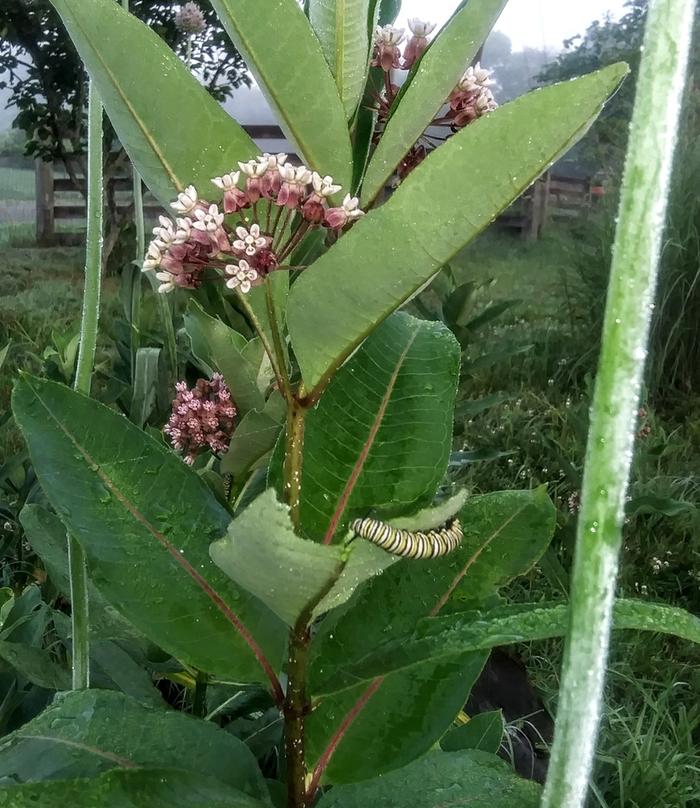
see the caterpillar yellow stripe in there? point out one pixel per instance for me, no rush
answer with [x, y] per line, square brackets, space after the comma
[410, 544]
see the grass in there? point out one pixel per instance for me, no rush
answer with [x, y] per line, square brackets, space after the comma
[17, 184]
[40, 302]
[648, 753]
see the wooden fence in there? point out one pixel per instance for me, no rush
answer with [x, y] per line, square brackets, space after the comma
[60, 205]
[552, 198]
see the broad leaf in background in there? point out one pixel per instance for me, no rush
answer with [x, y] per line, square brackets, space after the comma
[429, 84]
[145, 521]
[381, 434]
[292, 576]
[342, 30]
[505, 533]
[175, 133]
[437, 638]
[35, 665]
[254, 437]
[445, 202]
[85, 733]
[121, 671]
[47, 536]
[483, 731]
[284, 55]
[440, 779]
[145, 390]
[132, 788]
[222, 349]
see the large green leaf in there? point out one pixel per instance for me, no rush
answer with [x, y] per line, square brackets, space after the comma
[483, 731]
[437, 638]
[222, 349]
[133, 788]
[505, 533]
[292, 576]
[453, 195]
[47, 536]
[286, 59]
[342, 30]
[428, 86]
[85, 733]
[145, 521]
[381, 434]
[176, 134]
[35, 665]
[440, 779]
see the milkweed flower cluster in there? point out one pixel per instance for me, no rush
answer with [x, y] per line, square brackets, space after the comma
[469, 100]
[202, 418]
[189, 19]
[268, 205]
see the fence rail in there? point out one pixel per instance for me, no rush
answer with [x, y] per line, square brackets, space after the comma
[60, 204]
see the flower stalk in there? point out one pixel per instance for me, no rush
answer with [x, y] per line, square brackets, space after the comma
[614, 412]
[83, 373]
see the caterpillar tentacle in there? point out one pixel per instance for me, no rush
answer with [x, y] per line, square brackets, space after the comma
[407, 544]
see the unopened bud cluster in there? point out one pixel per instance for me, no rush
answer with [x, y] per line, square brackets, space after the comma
[470, 99]
[202, 418]
[189, 19]
[268, 206]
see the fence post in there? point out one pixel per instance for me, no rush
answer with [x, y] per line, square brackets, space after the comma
[45, 224]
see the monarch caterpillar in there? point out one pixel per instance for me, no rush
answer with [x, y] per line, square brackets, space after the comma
[417, 544]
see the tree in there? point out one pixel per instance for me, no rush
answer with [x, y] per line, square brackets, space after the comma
[605, 42]
[516, 71]
[48, 85]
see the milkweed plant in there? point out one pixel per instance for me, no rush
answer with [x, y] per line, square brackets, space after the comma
[290, 551]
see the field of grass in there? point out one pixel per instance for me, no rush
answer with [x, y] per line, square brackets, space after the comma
[538, 383]
[16, 184]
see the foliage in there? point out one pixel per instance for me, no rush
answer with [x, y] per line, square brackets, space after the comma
[236, 600]
[605, 42]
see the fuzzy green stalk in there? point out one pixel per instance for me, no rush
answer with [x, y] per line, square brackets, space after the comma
[140, 226]
[631, 289]
[83, 373]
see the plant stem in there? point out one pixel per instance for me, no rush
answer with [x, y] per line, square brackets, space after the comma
[199, 700]
[83, 374]
[613, 415]
[169, 340]
[269, 348]
[93, 247]
[296, 414]
[277, 340]
[140, 225]
[296, 707]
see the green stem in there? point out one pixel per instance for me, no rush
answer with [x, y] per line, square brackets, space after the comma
[199, 701]
[140, 225]
[296, 414]
[83, 373]
[169, 338]
[277, 369]
[135, 313]
[277, 341]
[93, 247]
[613, 414]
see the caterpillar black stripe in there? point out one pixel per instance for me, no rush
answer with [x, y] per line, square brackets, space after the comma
[410, 544]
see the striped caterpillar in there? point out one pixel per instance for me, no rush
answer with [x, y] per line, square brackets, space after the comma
[410, 544]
